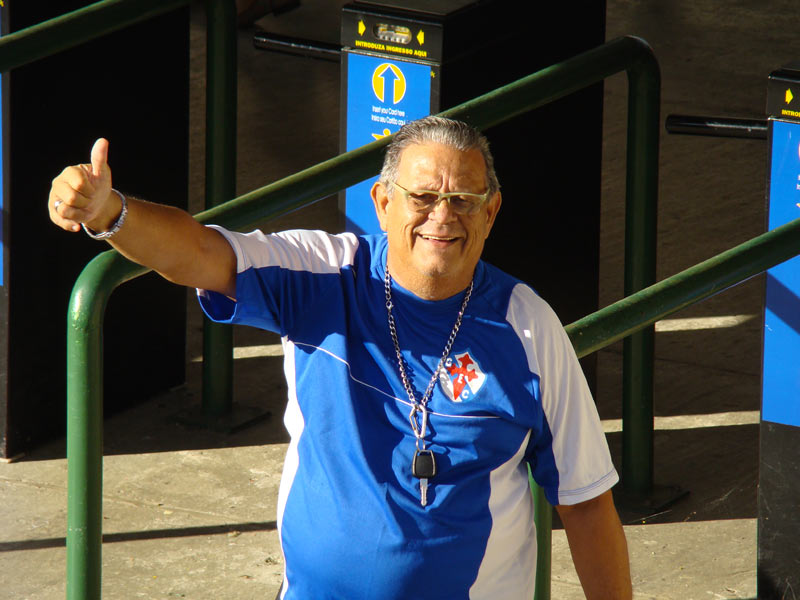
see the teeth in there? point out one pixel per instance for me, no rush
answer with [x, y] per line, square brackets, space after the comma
[436, 237]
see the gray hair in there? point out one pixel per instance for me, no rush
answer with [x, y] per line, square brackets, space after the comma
[439, 130]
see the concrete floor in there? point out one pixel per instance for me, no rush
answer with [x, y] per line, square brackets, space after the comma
[190, 514]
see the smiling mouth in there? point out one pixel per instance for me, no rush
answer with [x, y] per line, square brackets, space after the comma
[437, 238]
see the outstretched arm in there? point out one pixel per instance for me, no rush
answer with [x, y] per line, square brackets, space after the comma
[599, 549]
[163, 238]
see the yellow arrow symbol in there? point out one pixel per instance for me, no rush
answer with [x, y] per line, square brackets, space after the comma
[421, 37]
[789, 96]
[395, 76]
[361, 28]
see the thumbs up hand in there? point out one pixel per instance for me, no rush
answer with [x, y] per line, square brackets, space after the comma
[82, 194]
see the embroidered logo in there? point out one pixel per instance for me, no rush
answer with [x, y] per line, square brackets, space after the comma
[461, 377]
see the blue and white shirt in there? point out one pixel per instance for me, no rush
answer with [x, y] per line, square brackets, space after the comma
[350, 520]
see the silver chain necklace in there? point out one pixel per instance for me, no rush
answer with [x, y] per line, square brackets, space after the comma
[423, 465]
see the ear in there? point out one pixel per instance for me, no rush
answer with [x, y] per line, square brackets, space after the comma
[380, 198]
[492, 208]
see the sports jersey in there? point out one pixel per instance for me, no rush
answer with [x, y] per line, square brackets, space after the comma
[350, 520]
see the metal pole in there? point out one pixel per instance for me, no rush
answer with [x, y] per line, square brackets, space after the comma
[644, 90]
[76, 27]
[84, 451]
[85, 419]
[747, 129]
[703, 280]
[220, 186]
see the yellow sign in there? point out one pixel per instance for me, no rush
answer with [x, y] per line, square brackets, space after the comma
[421, 37]
[361, 28]
[393, 73]
[789, 96]
[394, 49]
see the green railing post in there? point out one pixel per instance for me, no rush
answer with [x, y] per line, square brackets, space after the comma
[644, 93]
[221, 71]
[85, 420]
[84, 449]
[543, 517]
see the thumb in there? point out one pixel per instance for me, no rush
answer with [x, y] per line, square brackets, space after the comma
[100, 158]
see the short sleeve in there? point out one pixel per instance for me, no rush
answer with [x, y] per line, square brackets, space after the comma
[569, 456]
[278, 276]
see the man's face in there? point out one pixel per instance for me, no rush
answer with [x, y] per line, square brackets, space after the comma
[434, 254]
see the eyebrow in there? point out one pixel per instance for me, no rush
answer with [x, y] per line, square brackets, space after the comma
[432, 188]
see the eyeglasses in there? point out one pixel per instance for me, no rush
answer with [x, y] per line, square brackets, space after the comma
[462, 203]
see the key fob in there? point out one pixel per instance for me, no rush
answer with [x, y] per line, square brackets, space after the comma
[423, 466]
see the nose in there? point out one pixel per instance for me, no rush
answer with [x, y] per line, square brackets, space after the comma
[442, 212]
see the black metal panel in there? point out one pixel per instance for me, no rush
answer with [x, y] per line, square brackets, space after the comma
[778, 510]
[437, 8]
[131, 87]
[778, 571]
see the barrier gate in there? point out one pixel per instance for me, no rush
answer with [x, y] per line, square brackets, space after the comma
[779, 455]
[403, 60]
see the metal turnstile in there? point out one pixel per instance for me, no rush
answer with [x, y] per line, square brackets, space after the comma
[405, 60]
[779, 453]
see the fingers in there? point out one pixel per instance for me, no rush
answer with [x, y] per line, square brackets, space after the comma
[55, 208]
[71, 195]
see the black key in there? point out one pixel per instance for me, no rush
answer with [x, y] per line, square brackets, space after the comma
[424, 464]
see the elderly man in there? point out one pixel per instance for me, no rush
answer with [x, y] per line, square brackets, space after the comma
[422, 381]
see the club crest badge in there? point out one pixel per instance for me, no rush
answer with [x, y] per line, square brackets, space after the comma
[461, 377]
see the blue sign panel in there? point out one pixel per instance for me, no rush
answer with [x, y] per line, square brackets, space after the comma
[382, 96]
[781, 372]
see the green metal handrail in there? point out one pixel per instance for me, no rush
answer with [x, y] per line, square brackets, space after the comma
[108, 270]
[77, 27]
[710, 277]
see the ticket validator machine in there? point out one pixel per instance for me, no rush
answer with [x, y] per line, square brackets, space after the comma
[779, 454]
[405, 60]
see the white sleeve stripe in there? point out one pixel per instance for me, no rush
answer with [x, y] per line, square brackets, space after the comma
[295, 424]
[295, 250]
[509, 560]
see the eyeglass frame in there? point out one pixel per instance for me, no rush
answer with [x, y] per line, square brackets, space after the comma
[473, 207]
